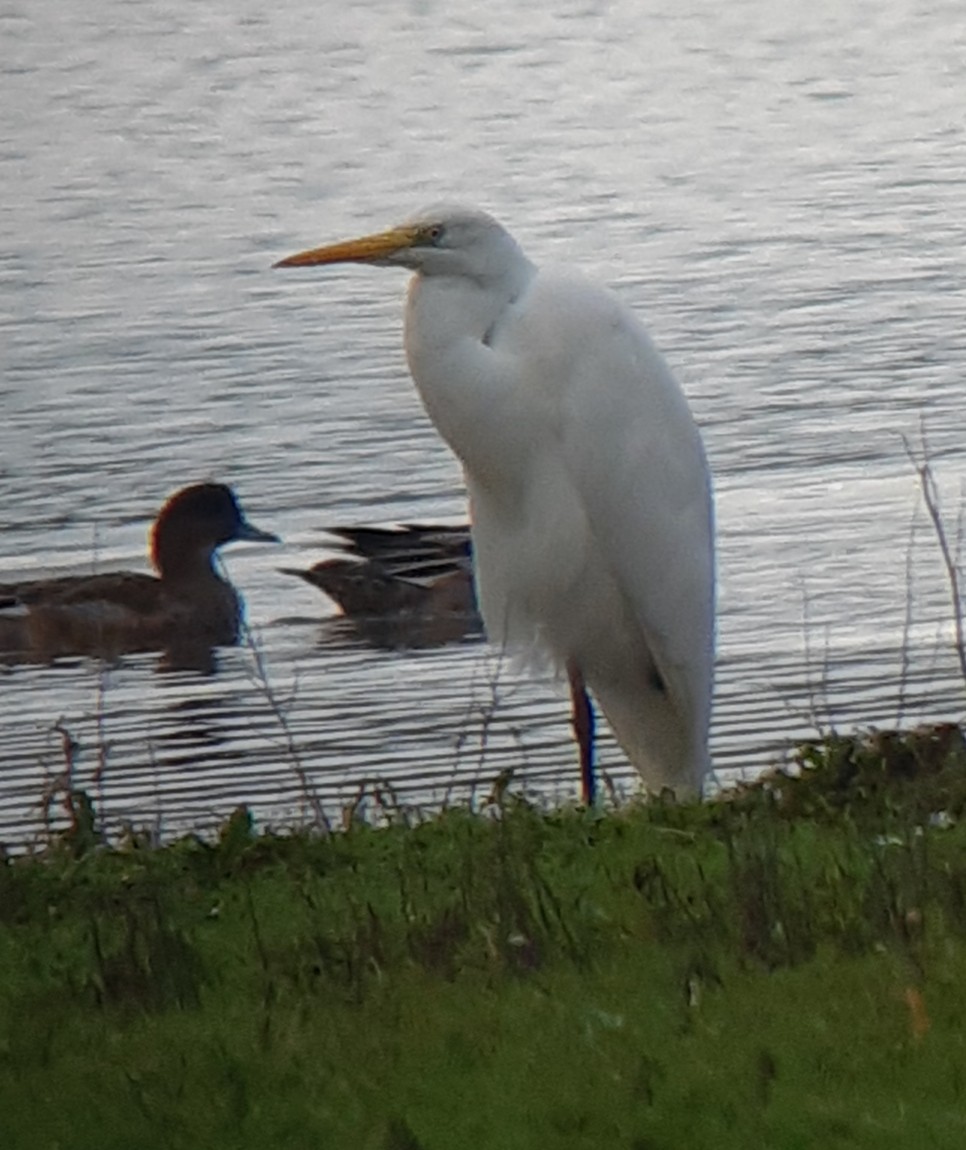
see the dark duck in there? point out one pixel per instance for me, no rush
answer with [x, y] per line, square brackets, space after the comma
[186, 604]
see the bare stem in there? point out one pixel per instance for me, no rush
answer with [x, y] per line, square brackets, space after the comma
[279, 710]
[930, 494]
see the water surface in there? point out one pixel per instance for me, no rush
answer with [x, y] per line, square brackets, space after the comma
[779, 192]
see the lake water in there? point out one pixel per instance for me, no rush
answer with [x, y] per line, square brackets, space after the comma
[779, 191]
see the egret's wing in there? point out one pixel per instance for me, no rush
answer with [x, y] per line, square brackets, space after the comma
[636, 462]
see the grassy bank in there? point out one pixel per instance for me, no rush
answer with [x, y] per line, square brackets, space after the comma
[783, 970]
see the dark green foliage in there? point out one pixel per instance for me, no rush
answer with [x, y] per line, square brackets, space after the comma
[779, 970]
[907, 775]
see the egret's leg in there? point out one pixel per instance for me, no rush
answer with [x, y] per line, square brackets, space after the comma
[583, 724]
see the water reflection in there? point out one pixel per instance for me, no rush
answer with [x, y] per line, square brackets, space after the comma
[404, 632]
[198, 729]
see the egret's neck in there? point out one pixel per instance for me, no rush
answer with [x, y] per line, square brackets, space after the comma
[443, 309]
[455, 344]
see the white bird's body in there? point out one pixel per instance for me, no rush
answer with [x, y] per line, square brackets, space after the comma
[590, 496]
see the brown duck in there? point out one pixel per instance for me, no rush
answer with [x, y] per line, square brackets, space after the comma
[410, 585]
[187, 604]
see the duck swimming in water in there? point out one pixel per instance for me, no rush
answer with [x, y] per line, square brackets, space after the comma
[402, 586]
[186, 605]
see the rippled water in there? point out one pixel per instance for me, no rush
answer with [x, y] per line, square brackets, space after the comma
[780, 193]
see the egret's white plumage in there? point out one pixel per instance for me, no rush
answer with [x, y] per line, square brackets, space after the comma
[590, 494]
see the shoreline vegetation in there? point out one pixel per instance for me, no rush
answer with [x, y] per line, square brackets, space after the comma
[782, 967]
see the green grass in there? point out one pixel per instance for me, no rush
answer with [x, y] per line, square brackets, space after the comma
[784, 970]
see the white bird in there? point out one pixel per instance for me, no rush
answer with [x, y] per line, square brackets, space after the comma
[590, 494]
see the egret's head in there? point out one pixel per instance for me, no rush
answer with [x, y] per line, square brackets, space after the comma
[442, 240]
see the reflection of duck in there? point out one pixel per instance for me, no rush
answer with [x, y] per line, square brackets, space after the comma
[402, 586]
[187, 605]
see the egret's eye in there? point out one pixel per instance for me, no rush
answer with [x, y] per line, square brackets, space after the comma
[434, 234]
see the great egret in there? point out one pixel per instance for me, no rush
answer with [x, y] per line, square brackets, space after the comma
[590, 495]
[187, 604]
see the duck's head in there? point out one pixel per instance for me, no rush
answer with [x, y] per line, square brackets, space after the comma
[194, 523]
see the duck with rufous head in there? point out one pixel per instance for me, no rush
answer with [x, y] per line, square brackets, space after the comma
[186, 604]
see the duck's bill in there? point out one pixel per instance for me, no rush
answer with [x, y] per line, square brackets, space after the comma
[249, 533]
[367, 249]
